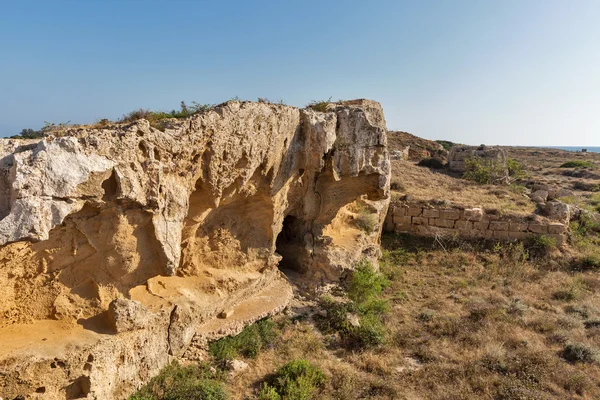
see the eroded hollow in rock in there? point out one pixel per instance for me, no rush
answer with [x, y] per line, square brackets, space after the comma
[290, 245]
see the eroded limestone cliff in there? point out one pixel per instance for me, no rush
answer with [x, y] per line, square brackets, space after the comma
[121, 246]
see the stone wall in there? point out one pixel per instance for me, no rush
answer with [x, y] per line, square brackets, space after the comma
[424, 219]
[458, 155]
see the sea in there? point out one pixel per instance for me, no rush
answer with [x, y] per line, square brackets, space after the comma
[576, 148]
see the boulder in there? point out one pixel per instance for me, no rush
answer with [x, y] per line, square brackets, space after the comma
[539, 196]
[126, 315]
[558, 211]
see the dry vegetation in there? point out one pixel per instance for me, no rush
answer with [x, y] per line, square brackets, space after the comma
[462, 321]
[429, 184]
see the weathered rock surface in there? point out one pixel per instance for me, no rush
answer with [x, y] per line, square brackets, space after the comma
[120, 246]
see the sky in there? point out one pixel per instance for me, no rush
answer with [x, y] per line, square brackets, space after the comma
[510, 72]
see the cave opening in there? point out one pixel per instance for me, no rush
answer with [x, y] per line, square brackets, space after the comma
[290, 246]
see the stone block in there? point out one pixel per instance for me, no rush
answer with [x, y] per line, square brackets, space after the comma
[501, 235]
[402, 220]
[400, 211]
[450, 214]
[560, 239]
[485, 234]
[556, 228]
[402, 228]
[444, 223]
[473, 214]
[468, 233]
[462, 224]
[517, 227]
[518, 235]
[499, 226]
[538, 228]
[481, 225]
[431, 213]
[414, 211]
[446, 232]
[388, 225]
[420, 221]
[423, 230]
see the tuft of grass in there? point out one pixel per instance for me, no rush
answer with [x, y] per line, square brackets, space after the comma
[248, 343]
[156, 118]
[539, 246]
[296, 380]
[571, 291]
[580, 352]
[578, 164]
[177, 382]
[367, 220]
[48, 129]
[320, 106]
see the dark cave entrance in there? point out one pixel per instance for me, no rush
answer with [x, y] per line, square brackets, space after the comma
[290, 246]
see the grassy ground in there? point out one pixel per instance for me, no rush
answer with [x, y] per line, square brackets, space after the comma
[429, 184]
[461, 322]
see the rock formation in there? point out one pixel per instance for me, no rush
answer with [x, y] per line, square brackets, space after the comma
[121, 246]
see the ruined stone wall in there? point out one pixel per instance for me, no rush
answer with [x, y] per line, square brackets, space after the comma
[424, 219]
[459, 154]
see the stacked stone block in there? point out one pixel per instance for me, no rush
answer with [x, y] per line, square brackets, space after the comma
[426, 220]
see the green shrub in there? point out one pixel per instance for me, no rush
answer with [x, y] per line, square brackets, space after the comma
[247, 343]
[364, 291]
[515, 169]
[590, 262]
[580, 352]
[489, 172]
[366, 287]
[320, 106]
[176, 382]
[578, 164]
[156, 117]
[268, 393]
[447, 145]
[484, 172]
[47, 129]
[539, 246]
[297, 380]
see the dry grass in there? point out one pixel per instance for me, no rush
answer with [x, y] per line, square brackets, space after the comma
[466, 323]
[427, 184]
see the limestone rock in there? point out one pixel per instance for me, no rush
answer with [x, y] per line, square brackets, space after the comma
[126, 315]
[558, 211]
[122, 244]
[539, 196]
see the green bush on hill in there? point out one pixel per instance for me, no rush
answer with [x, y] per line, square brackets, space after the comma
[578, 164]
[296, 380]
[176, 382]
[366, 303]
[446, 144]
[487, 172]
[248, 343]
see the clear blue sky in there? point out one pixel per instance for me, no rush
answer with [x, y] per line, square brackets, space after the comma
[497, 72]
